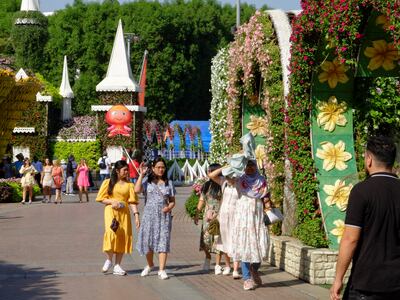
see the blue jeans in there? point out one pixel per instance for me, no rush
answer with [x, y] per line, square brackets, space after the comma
[246, 269]
[104, 176]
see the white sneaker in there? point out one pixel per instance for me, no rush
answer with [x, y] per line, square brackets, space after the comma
[146, 271]
[236, 275]
[226, 271]
[218, 270]
[206, 265]
[107, 266]
[162, 275]
[118, 270]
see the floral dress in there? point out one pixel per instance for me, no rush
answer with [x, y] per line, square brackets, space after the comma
[47, 177]
[208, 241]
[156, 226]
[57, 174]
[28, 174]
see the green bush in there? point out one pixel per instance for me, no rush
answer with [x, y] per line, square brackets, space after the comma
[191, 205]
[16, 192]
[312, 233]
[91, 151]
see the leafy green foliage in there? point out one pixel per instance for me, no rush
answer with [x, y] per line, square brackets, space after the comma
[5, 193]
[191, 205]
[29, 40]
[181, 38]
[7, 10]
[312, 232]
[90, 151]
[12, 190]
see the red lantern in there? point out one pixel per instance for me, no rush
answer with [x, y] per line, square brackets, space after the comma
[119, 117]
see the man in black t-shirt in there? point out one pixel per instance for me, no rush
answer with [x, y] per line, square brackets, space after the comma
[372, 232]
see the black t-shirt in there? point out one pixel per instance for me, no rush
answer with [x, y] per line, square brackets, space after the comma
[374, 206]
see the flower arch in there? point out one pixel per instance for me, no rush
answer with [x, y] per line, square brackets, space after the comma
[333, 44]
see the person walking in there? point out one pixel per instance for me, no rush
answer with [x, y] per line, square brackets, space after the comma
[117, 194]
[8, 171]
[371, 236]
[27, 172]
[82, 172]
[70, 173]
[250, 237]
[155, 231]
[58, 179]
[104, 164]
[37, 164]
[210, 197]
[226, 217]
[46, 180]
[63, 164]
[134, 167]
[18, 164]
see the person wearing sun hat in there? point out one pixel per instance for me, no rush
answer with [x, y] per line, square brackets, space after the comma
[250, 238]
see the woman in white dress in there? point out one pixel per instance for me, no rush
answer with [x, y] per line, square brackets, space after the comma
[226, 217]
[47, 180]
[27, 180]
[250, 236]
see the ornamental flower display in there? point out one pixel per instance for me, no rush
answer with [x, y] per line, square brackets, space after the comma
[338, 230]
[333, 72]
[331, 114]
[338, 194]
[257, 126]
[383, 20]
[334, 156]
[261, 156]
[383, 55]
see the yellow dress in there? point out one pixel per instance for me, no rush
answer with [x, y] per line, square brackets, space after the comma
[120, 241]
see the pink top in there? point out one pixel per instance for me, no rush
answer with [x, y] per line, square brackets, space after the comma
[83, 176]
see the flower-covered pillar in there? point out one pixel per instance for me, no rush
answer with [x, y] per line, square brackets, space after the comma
[332, 119]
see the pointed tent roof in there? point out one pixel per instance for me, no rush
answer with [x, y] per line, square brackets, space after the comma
[119, 74]
[65, 87]
[30, 5]
[21, 75]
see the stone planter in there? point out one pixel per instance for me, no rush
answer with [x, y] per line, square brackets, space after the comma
[313, 265]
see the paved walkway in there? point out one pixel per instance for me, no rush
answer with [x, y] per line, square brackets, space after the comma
[50, 251]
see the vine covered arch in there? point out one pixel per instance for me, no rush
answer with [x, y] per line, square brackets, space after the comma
[337, 48]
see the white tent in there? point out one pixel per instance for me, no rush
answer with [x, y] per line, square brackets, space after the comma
[188, 173]
[198, 170]
[205, 166]
[175, 173]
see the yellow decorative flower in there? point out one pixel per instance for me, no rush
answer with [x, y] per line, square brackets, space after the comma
[338, 231]
[382, 54]
[331, 114]
[257, 126]
[334, 156]
[333, 72]
[338, 194]
[382, 20]
[261, 155]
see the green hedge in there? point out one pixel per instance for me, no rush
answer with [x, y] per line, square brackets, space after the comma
[191, 205]
[91, 151]
[11, 191]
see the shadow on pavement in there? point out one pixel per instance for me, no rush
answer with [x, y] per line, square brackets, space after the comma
[20, 283]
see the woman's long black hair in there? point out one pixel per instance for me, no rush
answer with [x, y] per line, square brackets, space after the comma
[114, 175]
[153, 176]
[211, 187]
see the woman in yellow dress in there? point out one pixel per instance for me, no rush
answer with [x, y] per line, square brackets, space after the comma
[116, 194]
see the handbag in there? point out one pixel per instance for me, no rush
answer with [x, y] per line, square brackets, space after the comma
[213, 227]
[114, 224]
[272, 216]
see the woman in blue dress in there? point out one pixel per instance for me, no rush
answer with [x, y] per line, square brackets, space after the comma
[155, 229]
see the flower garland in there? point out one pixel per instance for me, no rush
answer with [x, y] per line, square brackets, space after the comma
[218, 119]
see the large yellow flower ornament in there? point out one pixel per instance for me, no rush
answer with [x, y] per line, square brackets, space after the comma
[338, 194]
[331, 114]
[383, 55]
[382, 20]
[333, 72]
[257, 126]
[261, 156]
[338, 230]
[334, 156]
